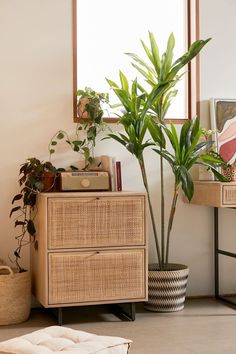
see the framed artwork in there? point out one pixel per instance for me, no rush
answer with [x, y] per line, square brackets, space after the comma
[223, 122]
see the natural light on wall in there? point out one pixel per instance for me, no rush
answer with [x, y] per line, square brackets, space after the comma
[106, 29]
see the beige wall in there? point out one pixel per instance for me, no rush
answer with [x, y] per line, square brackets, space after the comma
[218, 76]
[36, 101]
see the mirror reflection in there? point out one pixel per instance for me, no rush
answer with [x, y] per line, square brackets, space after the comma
[106, 30]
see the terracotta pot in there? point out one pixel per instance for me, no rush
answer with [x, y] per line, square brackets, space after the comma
[82, 113]
[49, 181]
[167, 288]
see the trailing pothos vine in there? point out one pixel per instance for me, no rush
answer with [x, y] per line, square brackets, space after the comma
[91, 123]
[31, 182]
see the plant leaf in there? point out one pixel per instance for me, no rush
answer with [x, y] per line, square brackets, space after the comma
[155, 53]
[186, 182]
[124, 82]
[13, 210]
[17, 197]
[31, 228]
[18, 222]
[60, 135]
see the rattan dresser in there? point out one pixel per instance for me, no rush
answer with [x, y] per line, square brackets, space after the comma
[90, 249]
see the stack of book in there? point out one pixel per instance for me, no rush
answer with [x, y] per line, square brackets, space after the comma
[111, 165]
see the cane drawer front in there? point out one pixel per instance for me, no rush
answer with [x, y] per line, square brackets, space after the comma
[229, 195]
[96, 276]
[96, 222]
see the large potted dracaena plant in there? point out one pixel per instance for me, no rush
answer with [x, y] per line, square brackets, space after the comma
[145, 110]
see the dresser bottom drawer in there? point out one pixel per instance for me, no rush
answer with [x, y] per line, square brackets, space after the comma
[83, 277]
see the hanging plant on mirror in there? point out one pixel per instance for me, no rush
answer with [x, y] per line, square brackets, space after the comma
[91, 124]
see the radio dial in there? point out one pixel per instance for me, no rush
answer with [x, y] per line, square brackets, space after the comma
[85, 182]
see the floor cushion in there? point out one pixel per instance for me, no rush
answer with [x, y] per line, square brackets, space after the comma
[62, 340]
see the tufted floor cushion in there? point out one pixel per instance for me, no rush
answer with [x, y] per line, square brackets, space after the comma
[61, 340]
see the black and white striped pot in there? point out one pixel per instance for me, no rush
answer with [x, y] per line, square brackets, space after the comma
[167, 288]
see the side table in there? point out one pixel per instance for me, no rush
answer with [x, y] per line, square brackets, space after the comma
[217, 195]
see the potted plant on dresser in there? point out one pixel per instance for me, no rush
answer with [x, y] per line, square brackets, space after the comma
[15, 284]
[145, 110]
[91, 123]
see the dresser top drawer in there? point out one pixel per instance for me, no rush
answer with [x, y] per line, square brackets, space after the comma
[96, 222]
[89, 194]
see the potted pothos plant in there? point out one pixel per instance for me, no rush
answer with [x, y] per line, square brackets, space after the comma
[145, 110]
[35, 176]
[90, 113]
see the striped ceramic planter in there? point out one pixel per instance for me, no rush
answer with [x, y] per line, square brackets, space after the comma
[167, 288]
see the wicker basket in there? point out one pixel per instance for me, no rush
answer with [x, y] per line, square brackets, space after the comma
[167, 288]
[15, 296]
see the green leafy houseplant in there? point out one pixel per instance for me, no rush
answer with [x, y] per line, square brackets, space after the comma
[145, 110]
[90, 104]
[33, 176]
[90, 125]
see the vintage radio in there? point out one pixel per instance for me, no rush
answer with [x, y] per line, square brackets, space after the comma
[85, 180]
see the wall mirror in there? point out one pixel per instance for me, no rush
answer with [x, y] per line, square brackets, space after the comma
[104, 30]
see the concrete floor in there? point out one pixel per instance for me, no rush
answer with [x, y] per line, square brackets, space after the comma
[204, 326]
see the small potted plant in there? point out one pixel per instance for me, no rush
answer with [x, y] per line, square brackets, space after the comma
[91, 123]
[15, 285]
[35, 176]
[90, 104]
[145, 110]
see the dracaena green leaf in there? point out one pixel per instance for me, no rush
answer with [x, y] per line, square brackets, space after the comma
[167, 100]
[143, 128]
[167, 62]
[155, 53]
[195, 128]
[148, 52]
[156, 133]
[138, 60]
[147, 74]
[193, 144]
[156, 92]
[124, 82]
[112, 83]
[186, 182]
[194, 49]
[117, 138]
[183, 134]
[174, 139]
[124, 98]
[132, 133]
[167, 156]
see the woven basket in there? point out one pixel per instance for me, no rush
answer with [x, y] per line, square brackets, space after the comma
[167, 289]
[15, 296]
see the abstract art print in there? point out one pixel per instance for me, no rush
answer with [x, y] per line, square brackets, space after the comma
[223, 121]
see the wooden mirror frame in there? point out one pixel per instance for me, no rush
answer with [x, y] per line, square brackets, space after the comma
[193, 66]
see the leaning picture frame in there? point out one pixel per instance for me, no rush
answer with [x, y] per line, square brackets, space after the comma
[223, 123]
